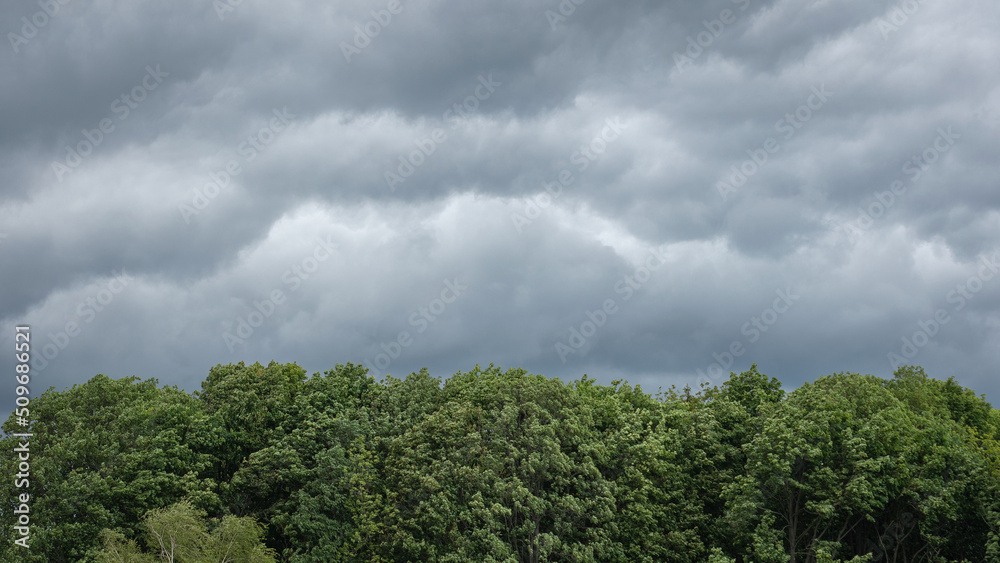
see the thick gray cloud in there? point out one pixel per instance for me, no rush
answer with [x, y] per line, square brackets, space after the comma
[650, 191]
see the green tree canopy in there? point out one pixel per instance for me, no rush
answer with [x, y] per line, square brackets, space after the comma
[264, 463]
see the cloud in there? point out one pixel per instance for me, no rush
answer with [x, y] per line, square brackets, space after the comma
[480, 181]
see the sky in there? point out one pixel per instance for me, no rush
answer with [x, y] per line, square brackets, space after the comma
[657, 192]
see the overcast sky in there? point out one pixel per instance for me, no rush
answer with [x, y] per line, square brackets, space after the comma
[662, 192]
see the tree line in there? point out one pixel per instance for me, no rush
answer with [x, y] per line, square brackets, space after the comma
[264, 463]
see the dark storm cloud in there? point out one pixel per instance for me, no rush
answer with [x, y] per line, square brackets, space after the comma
[448, 183]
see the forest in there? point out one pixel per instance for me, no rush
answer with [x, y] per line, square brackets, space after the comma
[266, 463]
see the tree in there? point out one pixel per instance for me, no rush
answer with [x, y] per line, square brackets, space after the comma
[248, 405]
[312, 475]
[845, 468]
[752, 390]
[828, 459]
[507, 466]
[102, 454]
[119, 549]
[180, 533]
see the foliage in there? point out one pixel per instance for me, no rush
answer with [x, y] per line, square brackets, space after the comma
[264, 463]
[102, 454]
[181, 533]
